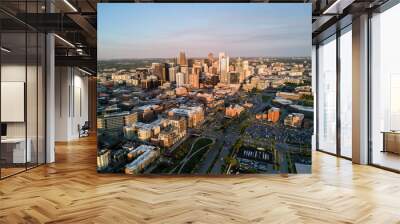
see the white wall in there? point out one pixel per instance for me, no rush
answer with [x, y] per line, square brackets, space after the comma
[12, 73]
[71, 102]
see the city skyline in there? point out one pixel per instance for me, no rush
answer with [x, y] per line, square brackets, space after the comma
[141, 31]
[203, 57]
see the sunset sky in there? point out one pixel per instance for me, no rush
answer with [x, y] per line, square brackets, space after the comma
[151, 30]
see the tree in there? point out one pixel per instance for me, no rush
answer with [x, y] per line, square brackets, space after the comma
[230, 160]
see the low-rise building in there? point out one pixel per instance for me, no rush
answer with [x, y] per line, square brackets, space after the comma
[144, 134]
[273, 114]
[193, 115]
[205, 97]
[295, 73]
[233, 111]
[103, 159]
[248, 105]
[262, 84]
[130, 119]
[129, 131]
[142, 156]
[145, 131]
[112, 121]
[147, 112]
[174, 132]
[294, 120]
[181, 91]
[288, 95]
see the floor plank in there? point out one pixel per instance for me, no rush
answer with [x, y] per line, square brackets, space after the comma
[70, 191]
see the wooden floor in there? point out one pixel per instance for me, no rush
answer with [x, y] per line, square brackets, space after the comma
[386, 159]
[70, 191]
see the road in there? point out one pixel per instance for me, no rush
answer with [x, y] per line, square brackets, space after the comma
[191, 155]
[210, 156]
[282, 150]
[229, 138]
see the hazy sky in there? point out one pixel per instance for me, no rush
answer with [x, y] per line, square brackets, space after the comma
[162, 30]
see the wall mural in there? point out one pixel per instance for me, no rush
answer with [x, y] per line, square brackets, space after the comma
[204, 88]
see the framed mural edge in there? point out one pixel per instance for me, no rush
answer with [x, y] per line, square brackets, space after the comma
[204, 89]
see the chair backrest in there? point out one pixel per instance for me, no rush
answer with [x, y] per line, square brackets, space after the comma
[86, 125]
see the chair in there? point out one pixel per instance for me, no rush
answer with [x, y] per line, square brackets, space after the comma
[84, 130]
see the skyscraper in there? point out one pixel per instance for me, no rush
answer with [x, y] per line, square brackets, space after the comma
[223, 67]
[194, 80]
[180, 79]
[172, 73]
[245, 67]
[185, 70]
[157, 69]
[240, 70]
[210, 58]
[182, 58]
[221, 55]
[233, 78]
[196, 69]
[205, 68]
[165, 72]
[238, 65]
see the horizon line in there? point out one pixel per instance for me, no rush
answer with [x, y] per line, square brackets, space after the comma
[110, 59]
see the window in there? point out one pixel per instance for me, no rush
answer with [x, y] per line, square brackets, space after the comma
[385, 89]
[327, 95]
[22, 77]
[346, 93]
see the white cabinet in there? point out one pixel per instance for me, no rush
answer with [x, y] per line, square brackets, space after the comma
[19, 155]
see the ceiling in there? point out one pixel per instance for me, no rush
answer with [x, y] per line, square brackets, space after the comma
[75, 21]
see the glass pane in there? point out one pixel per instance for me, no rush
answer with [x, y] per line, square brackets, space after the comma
[31, 97]
[346, 94]
[13, 87]
[327, 96]
[314, 85]
[385, 84]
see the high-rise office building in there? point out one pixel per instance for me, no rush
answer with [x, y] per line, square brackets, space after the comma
[210, 58]
[246, 69]
[172, 73]
[221, 55]
[239, 68]
[157, 70]
[196, 69]
[205, 68]
[239, 65]
[245, 65]
[180, 79]
[233, 78]
[223, 67]
[165, 72]
[194, 80]
[185, 70]
[182, 58]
